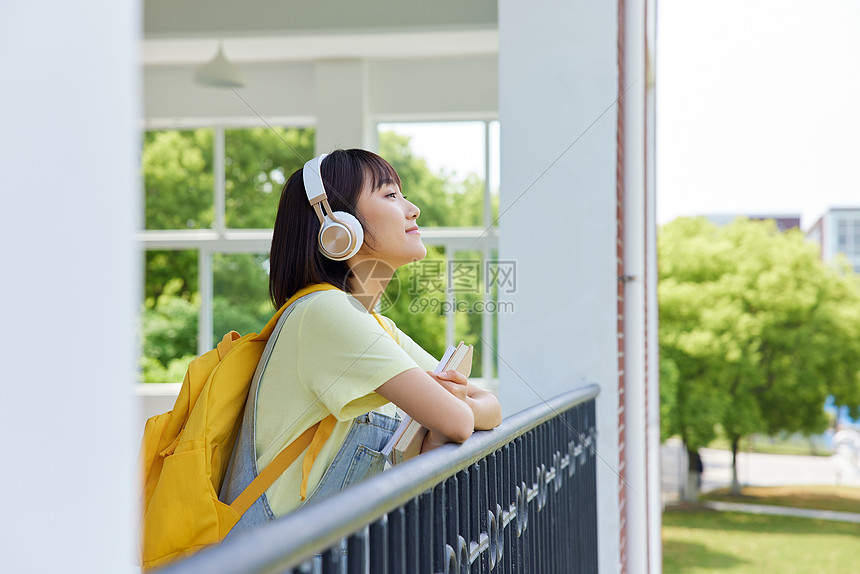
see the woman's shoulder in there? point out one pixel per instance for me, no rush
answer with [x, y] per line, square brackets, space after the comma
[334, 307]
[330, 300]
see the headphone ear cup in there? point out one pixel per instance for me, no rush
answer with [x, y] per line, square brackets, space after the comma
[355, 226]
[333, 232]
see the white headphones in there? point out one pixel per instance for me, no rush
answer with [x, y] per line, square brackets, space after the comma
[341, 234]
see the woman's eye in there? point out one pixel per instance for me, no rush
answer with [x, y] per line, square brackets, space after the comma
[392, 194]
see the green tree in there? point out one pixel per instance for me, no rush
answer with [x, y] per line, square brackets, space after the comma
[241, 293]
[257, 163]
[178, 179]
[747, 319]
[169, 337]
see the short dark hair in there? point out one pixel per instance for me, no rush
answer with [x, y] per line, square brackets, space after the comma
[295, 260]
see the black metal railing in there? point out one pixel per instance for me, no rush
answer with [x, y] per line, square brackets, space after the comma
[519, 498]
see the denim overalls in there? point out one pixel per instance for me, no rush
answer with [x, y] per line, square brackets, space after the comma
[357, 459]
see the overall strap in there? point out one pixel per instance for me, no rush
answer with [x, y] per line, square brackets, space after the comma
[384, 326]
[276, 468]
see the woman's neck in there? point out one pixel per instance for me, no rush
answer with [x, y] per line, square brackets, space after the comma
[369, 279]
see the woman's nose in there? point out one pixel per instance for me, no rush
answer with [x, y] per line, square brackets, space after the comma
[414, 211]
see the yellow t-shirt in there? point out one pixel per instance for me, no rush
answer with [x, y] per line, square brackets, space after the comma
[330, 357]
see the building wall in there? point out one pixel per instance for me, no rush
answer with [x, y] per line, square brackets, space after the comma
[576, 191]
[838, 234]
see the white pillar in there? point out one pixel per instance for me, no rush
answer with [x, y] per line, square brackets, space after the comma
[558, 83]
[654, 462]
[69, 205]
[341, 105]
[635, 246]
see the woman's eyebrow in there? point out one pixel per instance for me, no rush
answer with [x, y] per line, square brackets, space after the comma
[385, 184]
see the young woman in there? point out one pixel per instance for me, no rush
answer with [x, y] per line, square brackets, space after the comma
[335, 359]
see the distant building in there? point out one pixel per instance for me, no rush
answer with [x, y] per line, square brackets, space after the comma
[838, 231]
[783, 222]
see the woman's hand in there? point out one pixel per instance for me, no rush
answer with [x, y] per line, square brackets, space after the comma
[454, 382]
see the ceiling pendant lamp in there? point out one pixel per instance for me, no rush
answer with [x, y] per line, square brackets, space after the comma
[220, 72]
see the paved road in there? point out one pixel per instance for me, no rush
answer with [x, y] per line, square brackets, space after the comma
[754, 470]
[784, 511]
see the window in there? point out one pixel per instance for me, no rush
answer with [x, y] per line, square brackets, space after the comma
[856, 238]
[210, 200]
[842, 241]
[450, 170]
[848, 234]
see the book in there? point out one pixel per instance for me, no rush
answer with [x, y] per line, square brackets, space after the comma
[407, 439]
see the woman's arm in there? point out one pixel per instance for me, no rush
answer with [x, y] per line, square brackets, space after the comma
[484, 405]
[448, 418]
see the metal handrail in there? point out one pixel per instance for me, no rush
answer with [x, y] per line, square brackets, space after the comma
[289, 540]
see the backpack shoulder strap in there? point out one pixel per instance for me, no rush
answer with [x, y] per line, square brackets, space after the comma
[227, 343]
[318, 432]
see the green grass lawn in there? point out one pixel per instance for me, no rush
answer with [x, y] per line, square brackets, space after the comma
[839, 498]
[706, 541]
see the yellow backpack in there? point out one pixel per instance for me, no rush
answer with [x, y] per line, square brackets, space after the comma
[185, 452]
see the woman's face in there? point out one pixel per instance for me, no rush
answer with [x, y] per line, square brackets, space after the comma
[391, 229]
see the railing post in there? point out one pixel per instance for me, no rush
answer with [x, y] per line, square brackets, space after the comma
[379, 547]
[356, 552]
[397, 540]
[440, 526]
[413, 536]
[425, 533]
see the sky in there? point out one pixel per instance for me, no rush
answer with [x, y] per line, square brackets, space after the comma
[458, 155]
[758, 107]
[758, 110]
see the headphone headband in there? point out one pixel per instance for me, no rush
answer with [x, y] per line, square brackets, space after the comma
[312, 177]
